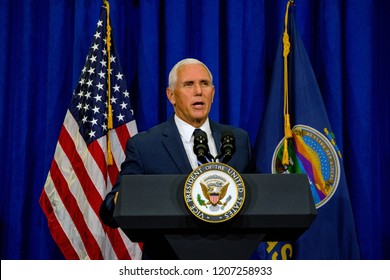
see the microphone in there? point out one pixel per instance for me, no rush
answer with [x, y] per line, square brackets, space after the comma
[228, 146]
[201, 148]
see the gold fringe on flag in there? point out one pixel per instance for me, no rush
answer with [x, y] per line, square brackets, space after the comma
[110, 160]
[286, 51]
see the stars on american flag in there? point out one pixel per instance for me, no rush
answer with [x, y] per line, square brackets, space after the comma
[89, 102]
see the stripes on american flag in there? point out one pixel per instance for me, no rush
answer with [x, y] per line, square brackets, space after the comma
[79, 176]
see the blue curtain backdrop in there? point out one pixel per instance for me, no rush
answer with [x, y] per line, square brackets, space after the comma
[43, 45]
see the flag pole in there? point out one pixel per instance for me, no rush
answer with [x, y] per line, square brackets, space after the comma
[286, 51]
[110, 160]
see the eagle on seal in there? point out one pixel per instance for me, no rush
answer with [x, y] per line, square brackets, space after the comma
[214, 194]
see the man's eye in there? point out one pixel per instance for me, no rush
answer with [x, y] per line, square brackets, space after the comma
[187, 84]
[205, 84]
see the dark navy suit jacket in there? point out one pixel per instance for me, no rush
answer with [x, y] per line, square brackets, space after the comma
[160, 151]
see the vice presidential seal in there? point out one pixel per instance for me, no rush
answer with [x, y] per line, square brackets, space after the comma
[214, 192]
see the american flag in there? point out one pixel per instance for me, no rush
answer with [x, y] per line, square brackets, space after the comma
[80, 175]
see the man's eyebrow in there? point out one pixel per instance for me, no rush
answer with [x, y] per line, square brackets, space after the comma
[193, 81]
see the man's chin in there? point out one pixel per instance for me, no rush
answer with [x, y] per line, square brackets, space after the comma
[198, 121]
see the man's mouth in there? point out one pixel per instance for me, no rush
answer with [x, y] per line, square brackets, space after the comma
[198, 104]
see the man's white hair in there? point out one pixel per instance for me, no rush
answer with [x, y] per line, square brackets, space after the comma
[172, 78]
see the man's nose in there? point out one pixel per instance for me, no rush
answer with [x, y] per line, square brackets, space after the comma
[197, 88]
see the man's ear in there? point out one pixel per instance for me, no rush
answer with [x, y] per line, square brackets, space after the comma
[212, 99]
[170, 96]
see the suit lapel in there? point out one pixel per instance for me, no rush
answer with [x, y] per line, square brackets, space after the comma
[216, 131]
[174, 146]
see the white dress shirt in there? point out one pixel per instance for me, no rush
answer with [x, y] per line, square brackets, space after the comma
[187, 137]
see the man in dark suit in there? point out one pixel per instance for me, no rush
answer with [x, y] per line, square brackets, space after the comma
[168, 148]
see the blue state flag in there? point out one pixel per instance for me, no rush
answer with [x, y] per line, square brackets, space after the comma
[309, 147]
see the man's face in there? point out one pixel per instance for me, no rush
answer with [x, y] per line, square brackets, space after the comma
[192, 95]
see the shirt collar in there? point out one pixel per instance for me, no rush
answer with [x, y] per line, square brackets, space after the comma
[186, 130]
